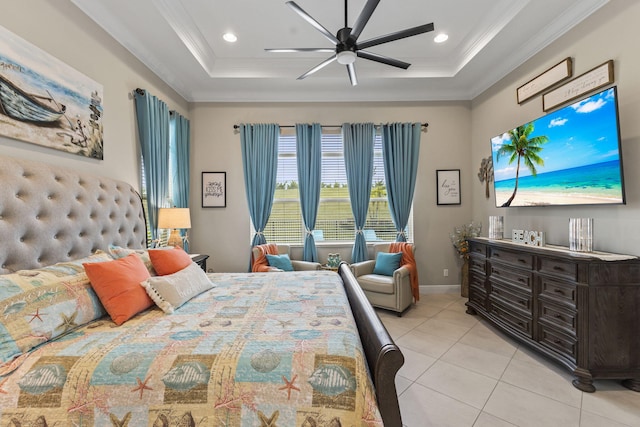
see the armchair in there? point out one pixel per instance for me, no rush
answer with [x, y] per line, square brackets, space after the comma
[258, 251]
[388, 292]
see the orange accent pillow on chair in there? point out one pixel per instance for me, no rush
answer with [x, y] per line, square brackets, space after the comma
[117, 284]
[169, 261]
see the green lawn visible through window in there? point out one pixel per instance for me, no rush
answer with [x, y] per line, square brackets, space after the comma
[335, 221]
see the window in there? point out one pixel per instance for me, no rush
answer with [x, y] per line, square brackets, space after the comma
[163, 235]
[335, 221]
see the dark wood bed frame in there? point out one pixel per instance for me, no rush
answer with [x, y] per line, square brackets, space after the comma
[50, 214]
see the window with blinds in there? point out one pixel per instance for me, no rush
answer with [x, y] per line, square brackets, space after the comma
[335, 221]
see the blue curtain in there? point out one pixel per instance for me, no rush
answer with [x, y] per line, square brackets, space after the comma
[260, 162]
[358, 158]
[400, 151]
[309, 157]
[153, 131]
[179, 142]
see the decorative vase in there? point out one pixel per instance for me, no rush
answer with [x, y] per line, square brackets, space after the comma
[333, 260]
[464, 281]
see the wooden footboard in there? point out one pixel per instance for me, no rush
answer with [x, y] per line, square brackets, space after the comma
[383, 355]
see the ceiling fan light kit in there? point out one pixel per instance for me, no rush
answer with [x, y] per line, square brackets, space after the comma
[347, 48]
[346, 57]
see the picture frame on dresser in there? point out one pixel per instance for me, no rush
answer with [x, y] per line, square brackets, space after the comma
[448, 187]
[214, 189]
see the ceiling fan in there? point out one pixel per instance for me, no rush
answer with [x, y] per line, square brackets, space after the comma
[347, 47]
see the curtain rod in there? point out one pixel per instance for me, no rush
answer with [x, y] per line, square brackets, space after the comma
[424, 125]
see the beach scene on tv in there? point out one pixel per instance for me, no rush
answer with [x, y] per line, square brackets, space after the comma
[568, 157]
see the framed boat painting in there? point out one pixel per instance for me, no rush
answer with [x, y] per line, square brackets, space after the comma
[46, 102]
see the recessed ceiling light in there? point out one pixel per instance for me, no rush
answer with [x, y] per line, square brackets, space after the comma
[440, 38]
[230, 37]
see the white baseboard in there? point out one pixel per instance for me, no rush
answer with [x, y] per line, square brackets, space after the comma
[440, 289]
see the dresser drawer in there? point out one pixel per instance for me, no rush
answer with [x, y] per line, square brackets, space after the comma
[560, 292]
[513, 317]
[520, 259]
[520, 278]
[558, 267]
[478, 264]
[478, 248]
[519, 299]
[477, 293]
[557, 315]
[557, 341]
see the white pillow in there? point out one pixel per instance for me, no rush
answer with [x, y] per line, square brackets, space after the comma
[171, 291]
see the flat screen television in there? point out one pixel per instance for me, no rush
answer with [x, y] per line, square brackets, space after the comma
[571, 156]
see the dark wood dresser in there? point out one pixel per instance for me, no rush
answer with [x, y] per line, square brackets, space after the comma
[581, 310]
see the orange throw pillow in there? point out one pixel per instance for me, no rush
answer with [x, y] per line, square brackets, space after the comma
[117, 284]
[169, 261]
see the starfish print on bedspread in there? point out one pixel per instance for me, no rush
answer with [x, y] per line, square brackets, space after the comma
[268, 422]
[36, 315]
[142, 385]
[68, 322]
[116, 422]
[289, 385]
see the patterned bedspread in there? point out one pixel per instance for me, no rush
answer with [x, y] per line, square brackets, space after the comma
[274, 349]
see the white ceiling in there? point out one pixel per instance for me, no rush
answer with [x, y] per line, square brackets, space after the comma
[181, 41]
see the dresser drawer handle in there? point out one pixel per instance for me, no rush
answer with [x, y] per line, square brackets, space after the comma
[559, 291]
[559, 316]
[558, 268]
[522, 302]
[557, 341]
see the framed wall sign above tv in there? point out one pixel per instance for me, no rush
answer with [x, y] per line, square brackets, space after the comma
[569, 157]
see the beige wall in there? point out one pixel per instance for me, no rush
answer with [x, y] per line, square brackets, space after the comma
[611, 33]
[62, 30]
[224, 233]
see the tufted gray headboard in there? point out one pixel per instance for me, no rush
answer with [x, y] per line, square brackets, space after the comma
[50, 214]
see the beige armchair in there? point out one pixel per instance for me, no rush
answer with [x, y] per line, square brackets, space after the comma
[297, 264]
[388, 292]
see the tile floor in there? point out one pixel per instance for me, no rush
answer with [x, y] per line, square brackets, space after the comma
[461, 372]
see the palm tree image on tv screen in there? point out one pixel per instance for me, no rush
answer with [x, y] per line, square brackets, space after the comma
[569, 157]
[522, 148]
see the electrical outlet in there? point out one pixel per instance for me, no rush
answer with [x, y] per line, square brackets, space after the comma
[446, 272]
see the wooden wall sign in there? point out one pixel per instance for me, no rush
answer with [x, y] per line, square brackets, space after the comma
[593, 79]
[556, 74]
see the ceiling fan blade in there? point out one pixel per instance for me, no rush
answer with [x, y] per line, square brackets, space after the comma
[396, 36]
[313, 22]
[383, 59]
[300, 49]
[319, 66]
[351, 69]
[363, 18]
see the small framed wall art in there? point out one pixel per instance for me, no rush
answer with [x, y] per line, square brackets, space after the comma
[214, 189]
[448, 190]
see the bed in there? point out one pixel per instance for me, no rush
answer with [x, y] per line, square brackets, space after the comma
[298, 349]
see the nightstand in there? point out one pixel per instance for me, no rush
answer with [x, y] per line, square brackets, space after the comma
[201, 260]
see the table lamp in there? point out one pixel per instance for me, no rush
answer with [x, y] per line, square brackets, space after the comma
[175, 219]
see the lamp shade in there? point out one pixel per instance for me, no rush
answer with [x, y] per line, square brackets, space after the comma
[174, 218]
